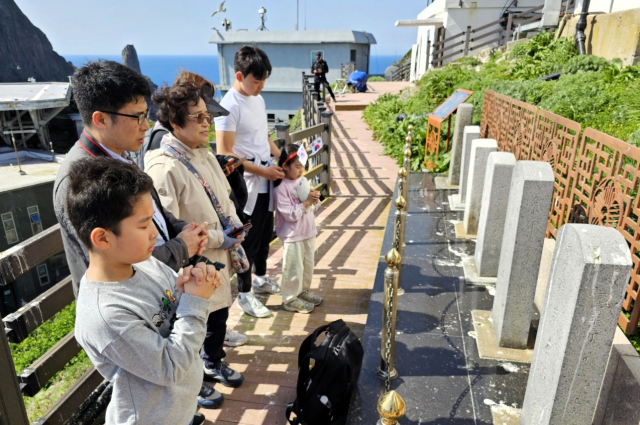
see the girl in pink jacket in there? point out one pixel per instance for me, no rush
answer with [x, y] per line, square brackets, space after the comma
[296, 228]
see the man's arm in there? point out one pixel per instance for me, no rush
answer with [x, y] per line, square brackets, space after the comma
[224, 145]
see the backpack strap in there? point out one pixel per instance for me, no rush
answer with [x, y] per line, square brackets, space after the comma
[310, 342]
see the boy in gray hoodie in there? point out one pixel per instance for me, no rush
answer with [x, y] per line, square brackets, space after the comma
[141, 325]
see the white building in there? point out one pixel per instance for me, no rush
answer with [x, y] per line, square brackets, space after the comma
[447, 18]
[290, 54]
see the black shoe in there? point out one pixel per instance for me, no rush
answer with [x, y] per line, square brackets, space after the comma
[198, 419]
[209, 398]
[224, 374]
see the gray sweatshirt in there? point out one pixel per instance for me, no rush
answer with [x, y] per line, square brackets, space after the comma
[144, 336]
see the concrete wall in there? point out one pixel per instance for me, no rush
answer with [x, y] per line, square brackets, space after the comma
[283, 89]
[615, 35]
[290, 60]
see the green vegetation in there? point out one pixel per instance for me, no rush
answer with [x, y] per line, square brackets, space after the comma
[592, 91]
[41, 340]
[376, 79]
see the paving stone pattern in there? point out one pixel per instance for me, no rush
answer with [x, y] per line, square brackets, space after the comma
[351, 228]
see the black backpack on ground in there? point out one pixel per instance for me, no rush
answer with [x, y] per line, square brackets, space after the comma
[324, 391]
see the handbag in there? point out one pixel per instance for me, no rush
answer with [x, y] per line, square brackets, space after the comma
[239, 261]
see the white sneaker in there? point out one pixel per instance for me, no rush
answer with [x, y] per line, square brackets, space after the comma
[265, 285]
[252, 306]
[234, 339]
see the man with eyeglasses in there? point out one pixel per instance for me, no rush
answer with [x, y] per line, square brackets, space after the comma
[111, 101]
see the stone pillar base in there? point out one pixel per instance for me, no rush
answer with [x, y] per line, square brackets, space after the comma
[488, 347]
[443, 184]
[454, 202]
[471, 275]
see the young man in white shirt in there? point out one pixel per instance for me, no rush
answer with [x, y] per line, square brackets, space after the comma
[244, 133]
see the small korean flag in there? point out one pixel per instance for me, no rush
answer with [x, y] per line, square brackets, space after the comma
[302, 155]
[316, 145]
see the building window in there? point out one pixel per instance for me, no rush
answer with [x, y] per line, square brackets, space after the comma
[313, 55]
[10, 230]
[271, 117]
[34, 217]
[353, 55]
[43, 274]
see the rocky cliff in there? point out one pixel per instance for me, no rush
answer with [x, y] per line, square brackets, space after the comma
[130, 59]
[25, 51]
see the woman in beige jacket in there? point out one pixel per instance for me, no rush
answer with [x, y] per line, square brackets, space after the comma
[183, 111]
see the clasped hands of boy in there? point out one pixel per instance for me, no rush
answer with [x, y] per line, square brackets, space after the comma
[200, 280]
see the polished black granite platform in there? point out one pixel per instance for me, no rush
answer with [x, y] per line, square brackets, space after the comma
[441, 377]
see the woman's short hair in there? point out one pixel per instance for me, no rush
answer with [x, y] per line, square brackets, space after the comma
[173, 103]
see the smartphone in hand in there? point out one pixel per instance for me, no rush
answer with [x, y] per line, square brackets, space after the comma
[240, 230]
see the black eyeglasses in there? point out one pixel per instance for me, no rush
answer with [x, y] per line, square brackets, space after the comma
[141, 118]
[202, 116]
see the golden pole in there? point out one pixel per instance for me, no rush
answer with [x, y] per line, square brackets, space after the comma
[386, 370]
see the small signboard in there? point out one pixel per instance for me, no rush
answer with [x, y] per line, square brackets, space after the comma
[436, 118]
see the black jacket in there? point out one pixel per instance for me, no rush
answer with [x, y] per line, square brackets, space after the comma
[173, 253]
[321, 65]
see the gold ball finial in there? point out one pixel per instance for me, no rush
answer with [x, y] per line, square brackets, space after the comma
[402, 173]
[400, 203]
[410, 128]
[391, 407]
[408, 139]
[407, 153]
[393, 258]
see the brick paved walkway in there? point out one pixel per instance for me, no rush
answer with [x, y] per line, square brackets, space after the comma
[351, 227]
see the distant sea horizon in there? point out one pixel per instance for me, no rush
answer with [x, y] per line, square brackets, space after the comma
[162, 69]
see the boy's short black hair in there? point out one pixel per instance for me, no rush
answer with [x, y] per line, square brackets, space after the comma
[252, 60]
[103, 192]
[106, 86]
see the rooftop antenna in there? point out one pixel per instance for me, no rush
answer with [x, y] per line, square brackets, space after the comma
[262, 12]
[226, 24]
[297, 13]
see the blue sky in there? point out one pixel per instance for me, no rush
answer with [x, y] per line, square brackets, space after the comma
[174, 27]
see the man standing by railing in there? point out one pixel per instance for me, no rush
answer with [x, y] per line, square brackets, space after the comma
[319, 70]
[244, 133]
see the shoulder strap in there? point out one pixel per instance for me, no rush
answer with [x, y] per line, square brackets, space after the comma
[214, 201]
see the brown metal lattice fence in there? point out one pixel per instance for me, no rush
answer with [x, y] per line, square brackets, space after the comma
[597, 177]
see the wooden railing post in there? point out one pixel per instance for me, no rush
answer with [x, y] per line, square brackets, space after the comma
[325, 178]
[467, 40]
[507, 36]
[12, 410]
[282, 131]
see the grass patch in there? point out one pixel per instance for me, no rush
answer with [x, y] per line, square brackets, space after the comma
[41, 340]
[593, 91]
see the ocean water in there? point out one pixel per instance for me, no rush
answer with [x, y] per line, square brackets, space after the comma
[164, 69]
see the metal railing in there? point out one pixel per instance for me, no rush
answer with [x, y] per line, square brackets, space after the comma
[402, 73]
[596, 176]
[391, 406]
[318, 166]
[471, 40]
[19, 325]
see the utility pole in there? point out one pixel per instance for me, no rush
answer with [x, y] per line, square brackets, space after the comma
[297, 13]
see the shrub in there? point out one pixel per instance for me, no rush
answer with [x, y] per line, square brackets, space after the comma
[376, 79]
[584, 63]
